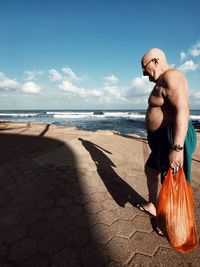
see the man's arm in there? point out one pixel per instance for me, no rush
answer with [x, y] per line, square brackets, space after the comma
[177, 93]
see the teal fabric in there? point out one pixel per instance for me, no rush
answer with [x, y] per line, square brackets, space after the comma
[161, 141]
[189, 147]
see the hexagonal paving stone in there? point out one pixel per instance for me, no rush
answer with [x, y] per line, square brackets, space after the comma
[94, 255]
[116, 264]
[120, 249]
[141, 260]
[36, 261]
[7, 222]
[171, 258]
[28, 206]
[3, 201]
[142, 223]
[93, 219]
[15, 234]
[73, 210]
[51, 244]
[147, 243]
[197, 212]
[31, 217]
[44, 187]
[194, 256]
[56, 194]
[93, 207]
[76, 238]
[109, 204]
[80, 222]
[123, 228]
[90, 181]
[64, 201]
[66, 257]
[10, 188]
[41, 229]
[45, 204]
[126, 213]
[101, 187]
[89, 190]
[82, 199]
[106, 217]
[8, 179]
[3, 250]
[102, 233]
[22, 250]
[53, 213]
[99, 197]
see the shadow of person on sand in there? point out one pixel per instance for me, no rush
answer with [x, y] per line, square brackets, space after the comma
[45, 130]
[120, 190]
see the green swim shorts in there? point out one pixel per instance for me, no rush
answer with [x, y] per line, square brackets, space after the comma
[161, 141]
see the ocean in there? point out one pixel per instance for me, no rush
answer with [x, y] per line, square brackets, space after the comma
[122, 121]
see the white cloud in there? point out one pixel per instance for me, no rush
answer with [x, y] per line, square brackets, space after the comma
[55, 75]
[140, 86]
[195, 50]
[196, 95]
[95, 92]
[31, 87]
[32, 75]
[71, 76]
[68, 75]
[70, 88]
[195, 99]
[188, 66]
[112, 79]
[183, 56]
[112, 90]
[8, 84]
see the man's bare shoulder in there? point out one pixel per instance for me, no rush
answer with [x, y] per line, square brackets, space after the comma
[173, 73]
[173, 76]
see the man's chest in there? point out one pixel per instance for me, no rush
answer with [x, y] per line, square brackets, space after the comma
[157, 96]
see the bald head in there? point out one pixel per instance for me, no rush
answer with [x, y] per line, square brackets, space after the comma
[154, 53]
[154, 63]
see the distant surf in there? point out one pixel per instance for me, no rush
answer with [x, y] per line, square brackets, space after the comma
[122, 121]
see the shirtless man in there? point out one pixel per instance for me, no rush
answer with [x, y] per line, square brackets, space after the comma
[171, 136]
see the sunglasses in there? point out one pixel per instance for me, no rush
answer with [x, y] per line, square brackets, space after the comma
[144, 67]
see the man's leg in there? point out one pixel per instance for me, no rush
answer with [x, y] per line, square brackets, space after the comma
[152, 184]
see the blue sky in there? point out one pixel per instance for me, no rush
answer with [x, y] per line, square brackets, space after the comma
[86, 54]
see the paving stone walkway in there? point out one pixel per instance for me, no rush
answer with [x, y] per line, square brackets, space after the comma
[67, 199]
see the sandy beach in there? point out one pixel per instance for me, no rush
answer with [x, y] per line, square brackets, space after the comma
[67, 199]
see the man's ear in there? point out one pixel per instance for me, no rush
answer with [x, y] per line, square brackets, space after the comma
[155, 60]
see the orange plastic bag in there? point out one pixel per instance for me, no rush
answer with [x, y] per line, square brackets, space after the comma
[175, 212]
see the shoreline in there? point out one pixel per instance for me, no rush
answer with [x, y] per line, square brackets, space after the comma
[34, 124]
[195, 124]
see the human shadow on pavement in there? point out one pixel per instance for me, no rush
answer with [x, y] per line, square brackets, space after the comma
[45, 130]
[43, 216]
[120, 190]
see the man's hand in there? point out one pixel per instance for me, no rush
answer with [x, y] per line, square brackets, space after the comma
[176, 159]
